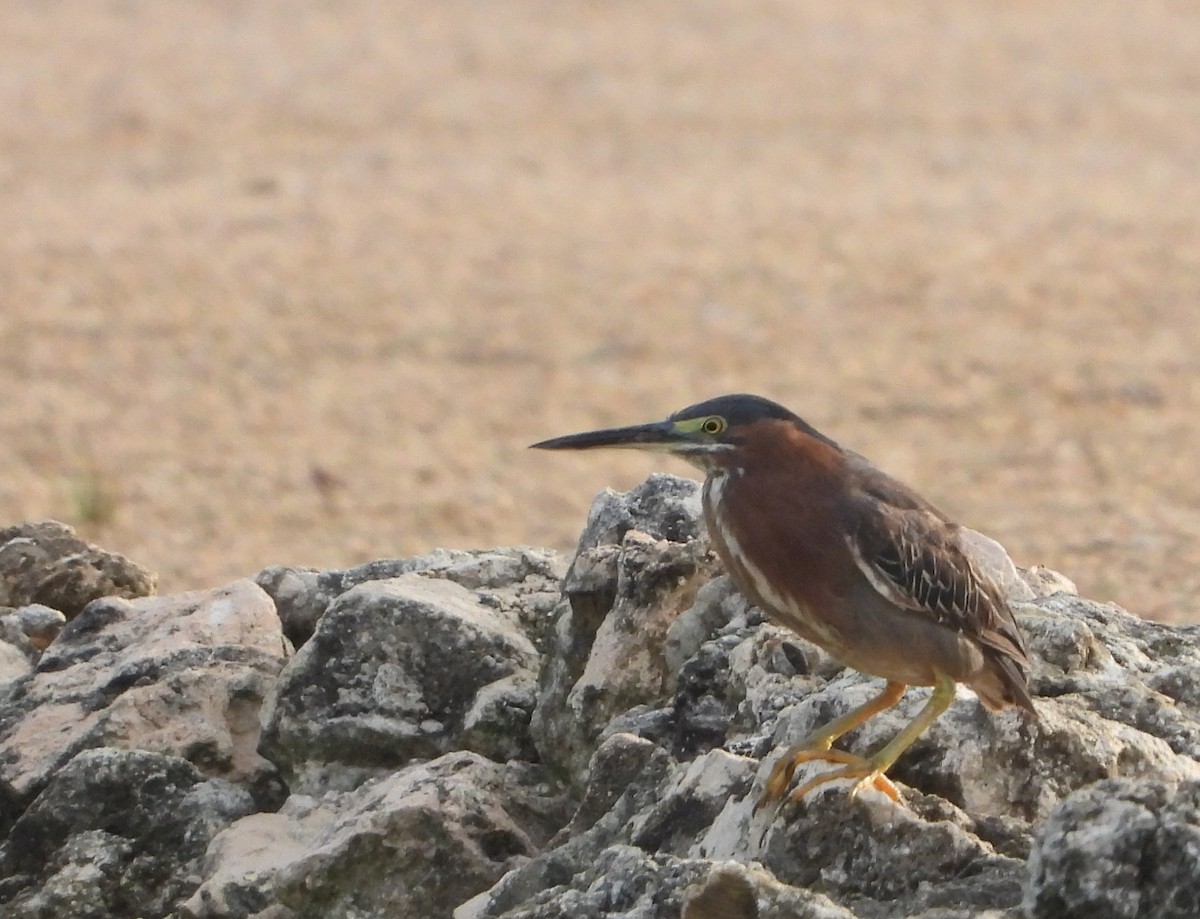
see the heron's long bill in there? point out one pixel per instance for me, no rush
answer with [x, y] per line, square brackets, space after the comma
[658, 434]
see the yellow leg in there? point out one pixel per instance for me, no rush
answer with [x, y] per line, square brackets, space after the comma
[817, 746]
[870, 771]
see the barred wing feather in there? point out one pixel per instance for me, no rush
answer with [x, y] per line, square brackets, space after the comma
[914, 557]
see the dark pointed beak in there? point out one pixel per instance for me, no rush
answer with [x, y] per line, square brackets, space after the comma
[659, 435]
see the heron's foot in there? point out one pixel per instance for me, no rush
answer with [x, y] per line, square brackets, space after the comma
[820, 746]
[869, 773]
[785, 768]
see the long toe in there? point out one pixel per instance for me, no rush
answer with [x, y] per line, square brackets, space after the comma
[829, 756]
[785, 768]
[880, 783]
[863, 770]
[777, 783]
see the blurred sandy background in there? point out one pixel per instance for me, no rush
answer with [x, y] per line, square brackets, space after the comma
[296, 282]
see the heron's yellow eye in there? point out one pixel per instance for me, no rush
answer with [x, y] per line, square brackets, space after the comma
[714, 425]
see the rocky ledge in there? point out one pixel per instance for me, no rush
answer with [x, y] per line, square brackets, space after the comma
[510, 734]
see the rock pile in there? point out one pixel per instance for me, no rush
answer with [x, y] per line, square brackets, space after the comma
[510, 734]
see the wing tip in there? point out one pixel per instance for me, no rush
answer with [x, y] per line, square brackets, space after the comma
[1007, 686]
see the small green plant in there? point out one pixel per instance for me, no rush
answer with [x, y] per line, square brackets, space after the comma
[93, 499]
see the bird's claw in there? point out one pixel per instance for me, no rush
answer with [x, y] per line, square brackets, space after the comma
[785, 768]
[853, 767]
[868, 776]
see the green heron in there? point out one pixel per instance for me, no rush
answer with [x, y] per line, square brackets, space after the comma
[850, 559]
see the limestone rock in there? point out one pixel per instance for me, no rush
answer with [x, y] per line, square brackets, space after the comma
[420, 841]
[243, 860]
[412, 843]
[24, 633]
[14, 662]
[115, 834]
[606, 653]
[879, 859]
[497, 723]
[624, 777]
[664, 507]
[520, 580]
[394, 672]
[299, 599]
[731, 890]
[668, 806]
[631, 883]
[1045, 582]
[182, 675]
[39, 624]
[47, 563]
[1120, 849]
[629, 722]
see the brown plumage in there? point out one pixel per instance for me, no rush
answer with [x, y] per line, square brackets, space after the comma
[817, 521]
[849, 558]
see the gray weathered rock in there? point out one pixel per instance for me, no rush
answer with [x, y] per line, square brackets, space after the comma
[184, 675]
[412, 843]
[1118, 698]
[617, 664]
[24, 633]
[18, 654]
[299, 599]
[732, 890]
[47, 563]
[37, 623]
[630, 882]
[625, 774]
[521, 580]
[497, 723]
[420, 841]
[607, 650]
[115, 834]
[394, 672]
[664, 507]
[1120, 849]
[243, 860]
[630, 724]
[14, 661]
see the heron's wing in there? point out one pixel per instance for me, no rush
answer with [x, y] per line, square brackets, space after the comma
[914, 557]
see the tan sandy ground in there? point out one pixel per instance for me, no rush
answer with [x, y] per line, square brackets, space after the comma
[296, 282]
